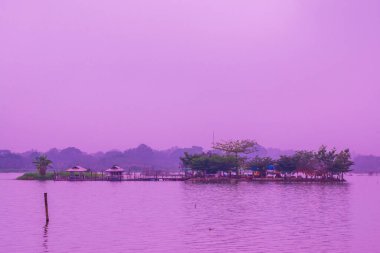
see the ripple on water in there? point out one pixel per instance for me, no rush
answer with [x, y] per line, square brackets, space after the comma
[186, 217]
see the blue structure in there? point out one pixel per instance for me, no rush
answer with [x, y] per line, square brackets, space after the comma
[255, 168]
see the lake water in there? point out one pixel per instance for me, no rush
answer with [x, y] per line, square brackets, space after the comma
[186, 217]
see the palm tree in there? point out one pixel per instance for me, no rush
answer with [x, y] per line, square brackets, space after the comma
[42, 163]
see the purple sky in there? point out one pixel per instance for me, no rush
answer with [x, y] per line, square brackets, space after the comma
[105, 74]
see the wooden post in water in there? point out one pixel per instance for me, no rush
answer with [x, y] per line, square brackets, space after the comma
[46, 208]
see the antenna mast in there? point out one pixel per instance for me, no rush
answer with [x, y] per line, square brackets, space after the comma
[213, 139]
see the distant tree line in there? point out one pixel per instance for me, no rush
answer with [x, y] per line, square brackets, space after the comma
[142, 157]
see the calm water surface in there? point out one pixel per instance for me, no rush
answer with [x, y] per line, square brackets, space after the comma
[185, 217]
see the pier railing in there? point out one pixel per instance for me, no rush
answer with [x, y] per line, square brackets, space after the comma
[101, 176]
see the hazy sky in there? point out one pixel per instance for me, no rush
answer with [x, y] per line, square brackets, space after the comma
[111, 74]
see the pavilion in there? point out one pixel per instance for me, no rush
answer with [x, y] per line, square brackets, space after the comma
[76, 172]
[115, 173]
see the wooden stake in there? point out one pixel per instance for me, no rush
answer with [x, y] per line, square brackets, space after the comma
[46, 208]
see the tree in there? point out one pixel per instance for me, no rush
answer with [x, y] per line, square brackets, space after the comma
[222, 163]
[237, 147]
[287, 164]
[306, 162]
[342, 163]
[326, 160]
[208, 163]
[333, 163]
[197, 162]
[42, 163]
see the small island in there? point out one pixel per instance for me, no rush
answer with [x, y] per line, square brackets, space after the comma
[229, 161]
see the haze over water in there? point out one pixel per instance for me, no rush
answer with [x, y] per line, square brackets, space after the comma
[106, 74]
[186, 217]
[112, 74]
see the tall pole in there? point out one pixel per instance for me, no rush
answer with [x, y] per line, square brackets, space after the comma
[46, 208]
[213, 139]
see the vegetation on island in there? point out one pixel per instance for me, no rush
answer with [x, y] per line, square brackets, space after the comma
[320, 164]
[47, 176]
[236, 148]
[234, 159]
[36, 176]
[42, 163]
[142, 158]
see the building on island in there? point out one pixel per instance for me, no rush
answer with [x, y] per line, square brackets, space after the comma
[270, 172]
[76, 172]
[273, 172]
[115, 173]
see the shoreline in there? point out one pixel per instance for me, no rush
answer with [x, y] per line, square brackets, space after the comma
[282, 180]
[97, 177]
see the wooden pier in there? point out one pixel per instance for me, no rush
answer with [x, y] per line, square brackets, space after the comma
[100, 176]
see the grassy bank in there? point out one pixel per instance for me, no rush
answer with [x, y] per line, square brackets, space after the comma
[36, 176]
[60, 175]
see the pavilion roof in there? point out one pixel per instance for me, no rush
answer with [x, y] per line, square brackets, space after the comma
[115, 168]
[77, 169]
